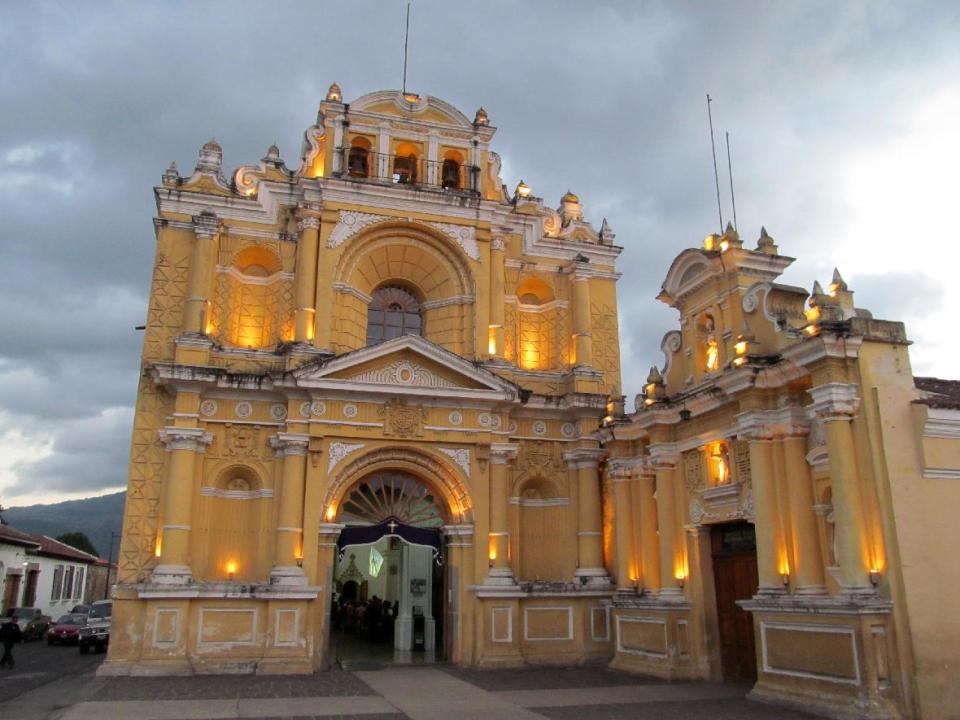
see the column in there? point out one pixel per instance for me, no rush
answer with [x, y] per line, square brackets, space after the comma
[305, 287]
[196, 307]
[501, 455]
[183, 444]
[836, 404]
[665, 467]
[622, 477]
[765, 512]
[649, 544]
[590, 567]
[583, 347]
[288, 555]
[338, 149]
[807, 561]
[403, 626]
[459, 574]
[495, 337]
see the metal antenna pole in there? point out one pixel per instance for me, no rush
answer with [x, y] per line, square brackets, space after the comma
[406, 40]
[713, 149]
[733, 199]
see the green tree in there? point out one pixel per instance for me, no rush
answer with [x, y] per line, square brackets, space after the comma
[79, 541]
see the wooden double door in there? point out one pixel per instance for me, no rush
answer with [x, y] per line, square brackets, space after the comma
[734, 550]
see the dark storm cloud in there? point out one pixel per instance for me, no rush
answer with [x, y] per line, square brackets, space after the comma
[605, 100]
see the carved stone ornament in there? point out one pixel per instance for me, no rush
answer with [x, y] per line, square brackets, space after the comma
[278, 412]
[338, 451]
[208, 408]
[243, 409]
[456, 417]
[461, 456]
[351, 222]
[539, 455]
[693, 470]
[403, 372]
[402, 420]
[242, 442]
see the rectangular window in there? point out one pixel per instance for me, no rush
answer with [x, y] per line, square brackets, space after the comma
[78, 584]
[67, 583]
[57, 583]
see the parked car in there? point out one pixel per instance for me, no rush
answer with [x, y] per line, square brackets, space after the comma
[33, 623]
[66, 629]
[81, 609]
[96, 633]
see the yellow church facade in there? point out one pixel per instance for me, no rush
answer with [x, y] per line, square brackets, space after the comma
[383, 380]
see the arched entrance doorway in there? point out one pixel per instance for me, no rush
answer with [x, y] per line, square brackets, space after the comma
[388, 603]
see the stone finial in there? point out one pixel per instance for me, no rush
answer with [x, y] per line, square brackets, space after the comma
[837, 283]
[570, 209]
[606, 233]
[334, 94]
[765, 243]
[654, 377]
[817, 289]
[481, 118]
[171, 175]
[273, 156]
[211, 158]
[731, 236]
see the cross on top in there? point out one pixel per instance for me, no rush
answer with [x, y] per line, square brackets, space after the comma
[392, 525]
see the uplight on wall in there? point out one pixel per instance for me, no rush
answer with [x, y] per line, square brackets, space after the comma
[157, 545]
[874, 576]
[231, 569]
[331, 513]
[523, 190]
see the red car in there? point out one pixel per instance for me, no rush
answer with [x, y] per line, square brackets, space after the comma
[66, 629]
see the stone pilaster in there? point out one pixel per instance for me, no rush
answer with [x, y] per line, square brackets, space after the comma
[288, 556]
[305, 284]
[197, 306]
[622, 477]
[590, 569]
[666, 468]
[502, 456]
[583, 342]
[836, 404]
[183, 445]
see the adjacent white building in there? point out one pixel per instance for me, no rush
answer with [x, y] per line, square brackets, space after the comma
[38, 571]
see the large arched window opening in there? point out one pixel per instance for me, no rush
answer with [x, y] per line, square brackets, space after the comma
[393, 312]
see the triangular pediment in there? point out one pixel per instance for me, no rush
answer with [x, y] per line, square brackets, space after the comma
[406, 364]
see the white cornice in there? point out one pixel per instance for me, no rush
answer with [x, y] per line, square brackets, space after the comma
[942, 423]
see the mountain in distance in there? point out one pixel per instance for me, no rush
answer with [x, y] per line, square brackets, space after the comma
[95, 517]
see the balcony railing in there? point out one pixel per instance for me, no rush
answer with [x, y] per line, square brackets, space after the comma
[407, 170]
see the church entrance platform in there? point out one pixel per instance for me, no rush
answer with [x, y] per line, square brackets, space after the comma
[351, 652]
[422, 693]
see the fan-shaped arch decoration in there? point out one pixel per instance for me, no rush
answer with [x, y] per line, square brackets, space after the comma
[395, 496]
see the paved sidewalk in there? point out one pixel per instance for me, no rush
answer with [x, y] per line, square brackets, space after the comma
[420, 693]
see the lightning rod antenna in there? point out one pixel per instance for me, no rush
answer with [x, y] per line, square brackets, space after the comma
[733, 199]
[406, 40]
[713, 149]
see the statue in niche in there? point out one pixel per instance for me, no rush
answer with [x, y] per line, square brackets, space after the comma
[712, 348]
[720, 464]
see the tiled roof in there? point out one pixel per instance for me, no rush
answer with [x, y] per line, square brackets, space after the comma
[12, 536]
[43, 545]
[937, 393]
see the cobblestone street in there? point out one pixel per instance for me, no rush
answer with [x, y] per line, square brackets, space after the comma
[59, 684]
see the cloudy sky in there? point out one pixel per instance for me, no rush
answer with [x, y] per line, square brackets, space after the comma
[844, 121]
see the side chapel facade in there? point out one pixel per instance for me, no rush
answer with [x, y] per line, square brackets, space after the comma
[387, 336]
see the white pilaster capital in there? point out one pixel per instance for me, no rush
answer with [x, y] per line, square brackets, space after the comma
[503, 453]
[664, 456]
[768, 424]
[176, 438]
[623, 469]
[834, 401]
[755, 425]
[289, 444]
[497, 244]
[206, 225]
[584, 457]
[308, 222]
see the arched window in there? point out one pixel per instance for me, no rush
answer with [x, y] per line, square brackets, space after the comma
[392, 312]
[405, 169]
[450, 174]
[357, 163]
[358, 159]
